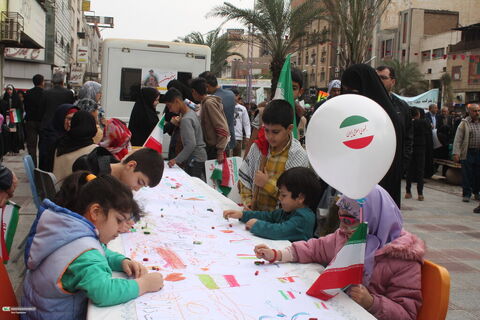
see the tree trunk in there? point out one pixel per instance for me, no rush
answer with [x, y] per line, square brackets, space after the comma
[275, 67]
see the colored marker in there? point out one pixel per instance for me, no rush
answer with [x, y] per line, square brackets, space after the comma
[145, 259]
[257, 272]
[146, 232]
[197, 242]
[259, 262]
[213, 227]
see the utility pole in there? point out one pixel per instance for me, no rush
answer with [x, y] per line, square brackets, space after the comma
[251, 31]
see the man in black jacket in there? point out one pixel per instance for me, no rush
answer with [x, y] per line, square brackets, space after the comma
[52, 98]
[387, 75]
[33, 117]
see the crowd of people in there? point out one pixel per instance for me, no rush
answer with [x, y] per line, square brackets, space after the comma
[92, 158]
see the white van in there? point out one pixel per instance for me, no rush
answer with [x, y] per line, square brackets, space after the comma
[130, 64]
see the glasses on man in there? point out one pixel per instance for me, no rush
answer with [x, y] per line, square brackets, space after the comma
[384, 77]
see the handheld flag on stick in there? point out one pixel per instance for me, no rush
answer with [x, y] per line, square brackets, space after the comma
[345, 269]
[322, 95]
[285, 91]
[155, 139]
[8, 227]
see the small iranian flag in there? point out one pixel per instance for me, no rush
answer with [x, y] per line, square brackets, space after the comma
[9, 222]
[15, 115]
[322, 95]
[356, 132]
[155, 139]
[285, 91]
[345, 269]
[222, 176]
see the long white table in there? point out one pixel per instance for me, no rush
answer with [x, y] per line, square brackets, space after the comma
[224, 303]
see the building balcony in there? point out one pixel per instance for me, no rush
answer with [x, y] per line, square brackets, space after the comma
[11, 28]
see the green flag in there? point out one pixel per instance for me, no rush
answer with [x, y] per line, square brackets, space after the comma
[285, 91]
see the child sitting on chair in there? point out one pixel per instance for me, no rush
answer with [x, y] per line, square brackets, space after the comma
[298, 194]
[393, 258]
[66, 255]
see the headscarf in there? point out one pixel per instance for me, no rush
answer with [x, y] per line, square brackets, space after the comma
[58, 121]
[337, 84]
[116, 138]
[148, 96]
[89, 90]
[384, 219]
[87, 104]
[82, 131]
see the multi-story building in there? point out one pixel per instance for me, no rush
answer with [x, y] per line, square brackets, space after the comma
[22, 30]
[464, 65]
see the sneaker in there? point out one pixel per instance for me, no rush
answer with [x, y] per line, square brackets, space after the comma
[421, 198]
[476, 210]
[466, 199]
[408, 195]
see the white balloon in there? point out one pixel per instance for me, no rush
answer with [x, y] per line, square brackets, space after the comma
[351, 142]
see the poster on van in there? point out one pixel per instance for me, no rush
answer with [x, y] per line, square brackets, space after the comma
[157, 79]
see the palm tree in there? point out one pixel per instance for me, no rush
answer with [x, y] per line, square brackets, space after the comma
[278, 26]
[354, 21]
[219, 44]
[409, 80]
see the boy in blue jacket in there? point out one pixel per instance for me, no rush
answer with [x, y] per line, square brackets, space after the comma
[299, 190]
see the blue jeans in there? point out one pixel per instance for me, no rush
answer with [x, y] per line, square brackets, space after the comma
[471, 173]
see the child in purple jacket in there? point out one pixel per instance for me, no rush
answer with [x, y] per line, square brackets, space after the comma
[393, 258]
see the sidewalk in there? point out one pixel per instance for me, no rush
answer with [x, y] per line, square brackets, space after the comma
[449, 227]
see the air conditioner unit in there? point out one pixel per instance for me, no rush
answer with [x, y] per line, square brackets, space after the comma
[337, 69]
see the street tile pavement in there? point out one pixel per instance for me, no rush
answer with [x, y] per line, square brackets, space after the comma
[448, 226]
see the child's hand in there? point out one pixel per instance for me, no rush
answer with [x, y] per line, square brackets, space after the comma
[133, 268]
[250, 223]
[261, 178]
[262, 251]
[361, 295]
[235, 214]
[172, 162]
[151, 282]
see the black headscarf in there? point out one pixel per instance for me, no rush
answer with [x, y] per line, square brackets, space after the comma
[144, 116]
[364, 79]
[81, 133]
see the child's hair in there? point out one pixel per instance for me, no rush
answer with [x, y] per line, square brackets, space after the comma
[301, 180]
[77, 194]
[149, 162]
[199, 85]
[210, 78]
[278, 112]
[297, 76]
[172, 94]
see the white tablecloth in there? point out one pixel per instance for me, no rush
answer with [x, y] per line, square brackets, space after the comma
[342, 303]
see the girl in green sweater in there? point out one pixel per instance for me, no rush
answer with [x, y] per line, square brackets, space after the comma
[299, 194]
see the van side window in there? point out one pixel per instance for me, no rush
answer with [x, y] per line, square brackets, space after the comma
[130, 84]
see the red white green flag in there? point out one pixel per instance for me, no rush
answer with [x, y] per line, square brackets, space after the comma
[15, 115]
[345, 269]
[322, 95]
[356, 132]
[9, 220]
[155, 139]
[222, 176]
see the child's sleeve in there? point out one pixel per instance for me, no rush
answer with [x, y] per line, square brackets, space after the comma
[260, 215]
[188, 139]
[114, 259]
[91, 273]
[321, 250]
[293, 229]
[403, 296]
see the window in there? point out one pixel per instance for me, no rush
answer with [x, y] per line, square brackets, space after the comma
[429, 71]
[438, 53]
[457, 73]
[130, 84]
[404, 54]
[405, 27]
[388, 47]
[322, 76]
[426, 55]
[306, 59]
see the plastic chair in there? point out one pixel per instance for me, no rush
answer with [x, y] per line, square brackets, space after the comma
[46, 184]
[7, 297]
[29, 169]
[435, 292]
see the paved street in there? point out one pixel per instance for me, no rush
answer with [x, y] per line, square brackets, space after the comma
[450, 229]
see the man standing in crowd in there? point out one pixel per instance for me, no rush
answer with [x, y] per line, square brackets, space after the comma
[52, 98]
[432, 115]
[242, 124]
[466, 149]
[228, 101]
[387, 75]
[33, 115]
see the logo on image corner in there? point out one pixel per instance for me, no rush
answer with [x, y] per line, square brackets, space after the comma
[355, 132]
[6, 309]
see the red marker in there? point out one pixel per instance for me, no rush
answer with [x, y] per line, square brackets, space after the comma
[145, 259]
[257, 272]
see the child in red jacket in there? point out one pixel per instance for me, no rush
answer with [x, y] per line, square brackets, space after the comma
[393, 257]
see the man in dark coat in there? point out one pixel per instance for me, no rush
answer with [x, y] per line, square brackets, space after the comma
[52, 98]
[33, 116]
[388, 78]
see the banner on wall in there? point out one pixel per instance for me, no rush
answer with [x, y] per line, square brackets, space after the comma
[157, 79]
[422, 100]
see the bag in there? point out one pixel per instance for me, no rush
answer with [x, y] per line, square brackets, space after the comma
[9, 222]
